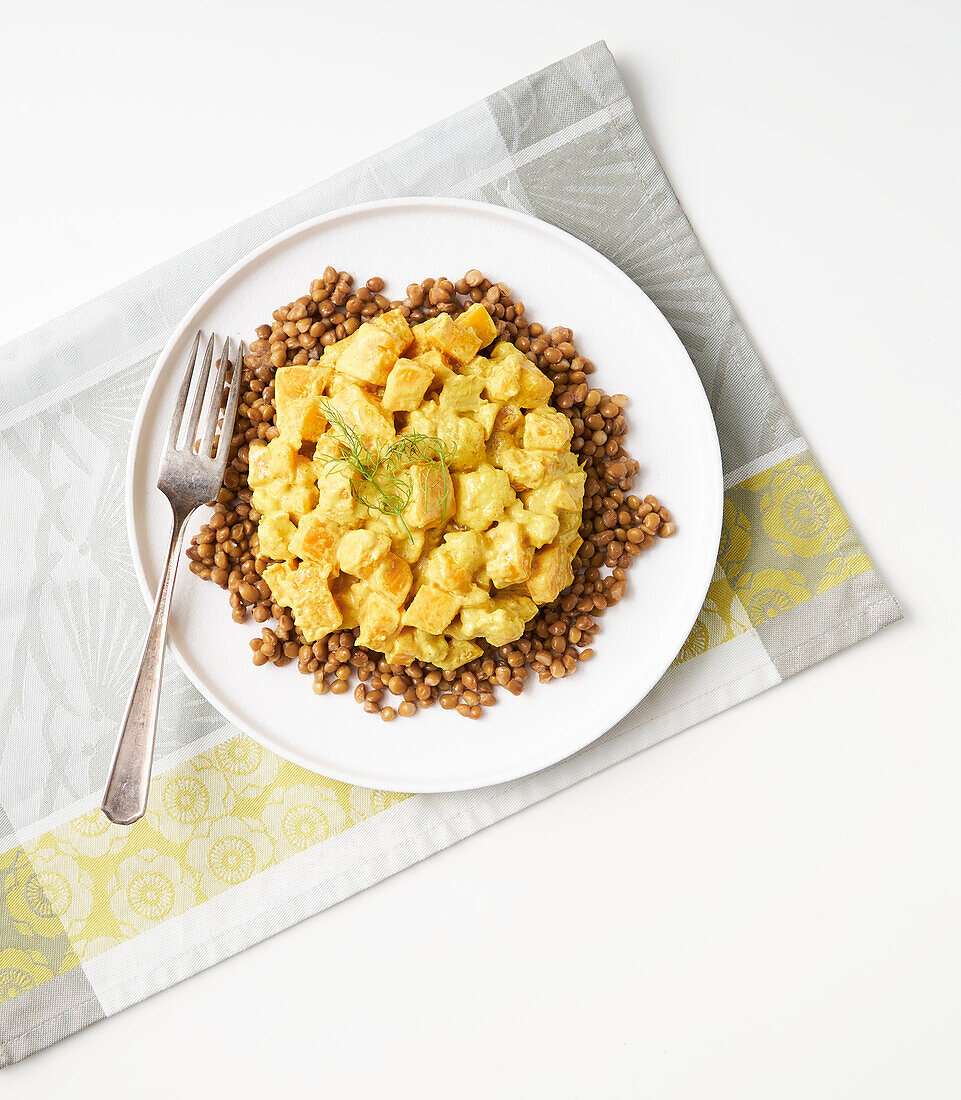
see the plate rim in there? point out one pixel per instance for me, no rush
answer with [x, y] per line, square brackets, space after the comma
[306, 226]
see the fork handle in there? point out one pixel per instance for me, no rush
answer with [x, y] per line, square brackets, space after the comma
[125, 796]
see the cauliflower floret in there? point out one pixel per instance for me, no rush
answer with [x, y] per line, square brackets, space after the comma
[482, 496]
[306, 591]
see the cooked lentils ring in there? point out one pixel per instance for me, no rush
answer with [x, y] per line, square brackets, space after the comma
[617, 525]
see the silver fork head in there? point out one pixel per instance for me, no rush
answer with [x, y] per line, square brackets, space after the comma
[190, 473]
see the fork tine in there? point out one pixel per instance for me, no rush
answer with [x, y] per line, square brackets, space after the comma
[213, 414]
[230, 412]
[198, 403]
[177, 416]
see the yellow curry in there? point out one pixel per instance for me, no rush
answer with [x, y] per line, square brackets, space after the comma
[418, 491]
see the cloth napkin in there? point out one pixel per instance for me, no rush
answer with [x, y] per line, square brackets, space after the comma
[94, 917]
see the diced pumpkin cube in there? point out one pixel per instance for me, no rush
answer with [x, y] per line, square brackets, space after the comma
[431, 609]
[536, 388]
[546, 430]
[406, 385]
[301, 420]
[551, 573]
[298, 382]
[456, 342]
[480, 322]
[379, 620]
[356, 409]
[394, 322]
[431, 497]
[419, 344]
[370, 354]
[392, 578]
[283, 459]
[314, 541]
[509, 554]
[402, 648]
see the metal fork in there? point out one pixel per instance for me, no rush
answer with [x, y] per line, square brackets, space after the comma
[189, 476]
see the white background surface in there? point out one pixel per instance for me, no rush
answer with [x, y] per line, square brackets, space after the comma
[765, 906]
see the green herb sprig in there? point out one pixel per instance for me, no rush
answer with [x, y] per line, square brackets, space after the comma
[383, 483]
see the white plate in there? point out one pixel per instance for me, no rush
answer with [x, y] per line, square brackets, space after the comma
[562, 281]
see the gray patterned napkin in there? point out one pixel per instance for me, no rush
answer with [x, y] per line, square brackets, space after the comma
[78, 896]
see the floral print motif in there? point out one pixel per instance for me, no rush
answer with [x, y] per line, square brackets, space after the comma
[183, 804]
[248, 768]
[212, 824]
[232, 851]
[20, 971]
[59, 893]
[148, 888]
[772, 592]
[698, 641]
[786, 539]
[797, 510]
[805, 513]
[303, 817]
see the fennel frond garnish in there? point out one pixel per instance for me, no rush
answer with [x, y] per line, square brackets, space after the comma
[383, 483]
